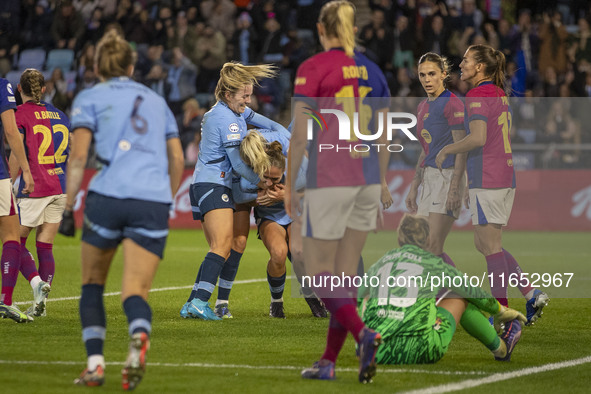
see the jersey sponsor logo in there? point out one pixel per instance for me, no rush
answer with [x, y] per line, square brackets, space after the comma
[225, 197]
[233, 137]
[300, 81]
[234, 128]
[458, 114]
[222, 174]
[9, 88]
[510, 162]
[425, 116]
[476, 105]
[426, 136]
[350, 72]
[11, 99]
[55, 171]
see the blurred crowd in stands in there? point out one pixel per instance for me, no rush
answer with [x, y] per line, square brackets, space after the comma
[182, 44]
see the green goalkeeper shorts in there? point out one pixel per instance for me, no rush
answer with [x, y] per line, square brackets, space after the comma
[423, 349]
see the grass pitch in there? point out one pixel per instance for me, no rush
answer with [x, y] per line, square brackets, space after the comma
[254, 353]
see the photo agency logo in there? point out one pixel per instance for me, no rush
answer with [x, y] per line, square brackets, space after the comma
[354, 134]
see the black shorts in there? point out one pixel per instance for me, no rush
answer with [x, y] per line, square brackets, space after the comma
[108, 220]
[206, 197]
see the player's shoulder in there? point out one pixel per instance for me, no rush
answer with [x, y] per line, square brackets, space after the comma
[53, 108]
[219, 115]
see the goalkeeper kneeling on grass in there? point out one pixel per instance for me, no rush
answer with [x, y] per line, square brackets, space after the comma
[416, 318]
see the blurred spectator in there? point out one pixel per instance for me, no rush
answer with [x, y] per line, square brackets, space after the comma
[85, 8]
[582, 42]
[109, 8]
[471, 16]
[9, 36]
[377, 39]
[139, 29]
[218, 14]
[181, 77]
[156, 79]
[436, 36]
[58, 92]
[95, 27]
[184, 35]
[85, 60]
[525, 48]
[210, 56]
[404, 43]
[505, 37]
[68, 27]
[148, 59]
[190, 123]
[244, 40]
[36, 25]
[161, 24]
[551, 83]
[88, 80]
[553, 37]
[271, 43]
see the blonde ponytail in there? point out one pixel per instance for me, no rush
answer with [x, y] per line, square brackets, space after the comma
[253, 152]
[338, 19]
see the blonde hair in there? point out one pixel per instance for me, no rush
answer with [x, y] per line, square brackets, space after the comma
[338, 19]
[113, 55]
[32, 82]
[234, 76]
[257, 153]
[413, 230]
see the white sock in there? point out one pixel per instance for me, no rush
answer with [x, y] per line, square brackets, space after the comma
[35, 281]
[530, 294]
[94, 361]
[277, 300]
[218, 302]
[501, 350]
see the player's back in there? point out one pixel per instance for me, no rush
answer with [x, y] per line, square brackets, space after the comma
[490, 166]
[131, 125]
[337, 81]
[46, 131]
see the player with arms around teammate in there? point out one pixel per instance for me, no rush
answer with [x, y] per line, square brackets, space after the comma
[440, 120]
[343, 190]
[491, 176]
[223, 128]
[137, 142]
[416, 329]
[9, 222]
[45, 131]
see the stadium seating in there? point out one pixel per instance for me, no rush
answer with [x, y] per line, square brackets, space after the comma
[14, 78]
[31, 58]
[62, 58]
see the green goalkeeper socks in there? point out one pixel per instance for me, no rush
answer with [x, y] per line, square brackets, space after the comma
[477, 325]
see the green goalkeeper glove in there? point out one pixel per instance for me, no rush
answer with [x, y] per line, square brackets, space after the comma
[506, 315]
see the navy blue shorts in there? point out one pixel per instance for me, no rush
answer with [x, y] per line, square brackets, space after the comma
[206, 197]
[259, 221]
[108, 220]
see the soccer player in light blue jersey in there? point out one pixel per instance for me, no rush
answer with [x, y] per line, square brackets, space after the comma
[273, 223]
[223, 127]
[137, 142]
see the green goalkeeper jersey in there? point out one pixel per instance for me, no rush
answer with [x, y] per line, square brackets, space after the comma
[403, 302]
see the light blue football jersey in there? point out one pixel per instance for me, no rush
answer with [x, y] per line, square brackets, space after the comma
[131, 125]
[222, 130]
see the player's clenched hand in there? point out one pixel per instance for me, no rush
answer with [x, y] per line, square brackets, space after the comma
[440, 158]
[29, 182]
[506, 315]
[67, 226]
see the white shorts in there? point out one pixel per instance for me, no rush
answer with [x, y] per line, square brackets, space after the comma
[8, 205]
[36, 211]
[329, 211]
[491, 205]
[434, 193]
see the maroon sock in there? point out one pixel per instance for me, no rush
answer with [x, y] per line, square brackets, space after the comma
[447, 259]
[10, 262]
[514, 268]
[28, 268]
[497, 266]
[337, 334]
[46, 261]
[349, 318]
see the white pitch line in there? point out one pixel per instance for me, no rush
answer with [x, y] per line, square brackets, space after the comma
[116, 293]
[499, 377]
[245, 366]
